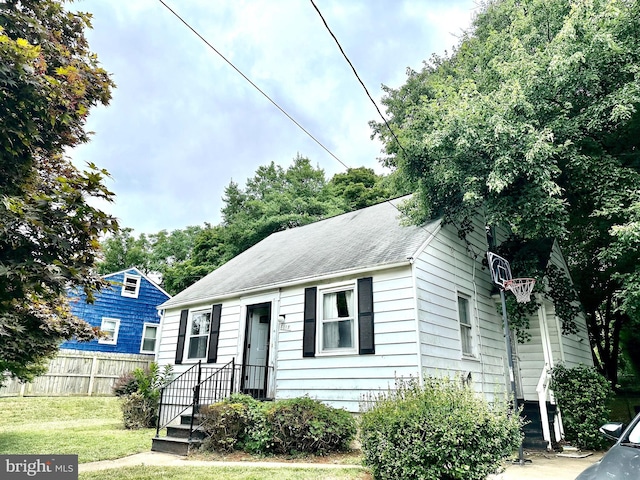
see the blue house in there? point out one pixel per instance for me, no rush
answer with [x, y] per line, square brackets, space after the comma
[126, 312]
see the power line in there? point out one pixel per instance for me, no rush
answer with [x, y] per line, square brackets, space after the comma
[358, 77]
[252, 84]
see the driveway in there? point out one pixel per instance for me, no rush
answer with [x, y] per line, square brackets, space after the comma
[548, 466]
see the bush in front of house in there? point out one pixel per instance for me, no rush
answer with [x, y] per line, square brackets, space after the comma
[305, 425]
[295, 426]
[224, 425]
[582, 395]
[438, 430]
[140, 393]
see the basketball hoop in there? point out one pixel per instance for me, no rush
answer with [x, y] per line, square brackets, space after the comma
[521, 288]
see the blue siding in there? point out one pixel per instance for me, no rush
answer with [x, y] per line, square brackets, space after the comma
[133, 313]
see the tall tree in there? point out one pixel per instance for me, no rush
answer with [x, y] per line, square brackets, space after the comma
[274, 199]
[360, 187]
[122, 250]
[49, 80]
[534, 119]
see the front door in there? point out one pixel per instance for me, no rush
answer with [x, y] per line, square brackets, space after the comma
[256, 351]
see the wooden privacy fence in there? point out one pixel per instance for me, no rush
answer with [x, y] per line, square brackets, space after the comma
[74, 372]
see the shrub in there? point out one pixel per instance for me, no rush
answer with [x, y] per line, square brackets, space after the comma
[256, 437]
[441, 430]
[138, 411]
[125, 385]
[237, 422]
[223, 423]
[296, 426]
[582, 395]
[140, 390]
[304, 425]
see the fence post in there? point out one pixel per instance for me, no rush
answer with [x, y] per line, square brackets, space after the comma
[94, 362]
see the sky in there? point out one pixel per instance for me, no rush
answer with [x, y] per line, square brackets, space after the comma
[182, 123]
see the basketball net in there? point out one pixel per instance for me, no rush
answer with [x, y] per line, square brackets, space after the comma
[521, 288]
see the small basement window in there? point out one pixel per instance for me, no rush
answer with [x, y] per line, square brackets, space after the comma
[149, 336]
[130, 285]
[109, 327]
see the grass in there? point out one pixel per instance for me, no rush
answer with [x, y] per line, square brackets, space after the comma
[90, 427]
[225, 473]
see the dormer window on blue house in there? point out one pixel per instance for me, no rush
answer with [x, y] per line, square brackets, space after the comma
[130, 285]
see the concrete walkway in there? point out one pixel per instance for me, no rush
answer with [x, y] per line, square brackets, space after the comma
[541, 467]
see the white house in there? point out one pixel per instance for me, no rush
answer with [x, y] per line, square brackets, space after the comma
[343, 307]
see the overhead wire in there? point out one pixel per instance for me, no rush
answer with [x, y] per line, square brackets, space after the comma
[282, 110]
[355, 72]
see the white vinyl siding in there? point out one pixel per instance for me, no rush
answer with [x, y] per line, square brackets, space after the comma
[110, 327]
[444, 268]
[130, 285]
[343, 380]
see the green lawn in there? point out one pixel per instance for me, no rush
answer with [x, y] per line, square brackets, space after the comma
[225, 473]
[91, 427]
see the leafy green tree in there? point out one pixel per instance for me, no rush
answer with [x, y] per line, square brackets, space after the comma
[49, 80]
[163, 253]
[122, 250]
[534, 120]
[359, 188]
[274, 199]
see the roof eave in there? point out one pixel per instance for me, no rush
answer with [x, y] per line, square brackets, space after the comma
[290, 283]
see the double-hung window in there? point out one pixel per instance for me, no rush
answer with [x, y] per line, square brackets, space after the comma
[337, 321]
[199, 334]
[130, 286]
[464, 316]
[109, 328]
[149, 335]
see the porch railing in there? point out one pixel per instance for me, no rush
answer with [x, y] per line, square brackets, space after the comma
[544, 394]
[204, 385]
[177, 396]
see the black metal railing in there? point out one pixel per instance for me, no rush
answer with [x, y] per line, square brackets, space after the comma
[215, 386]
[253, 380]
[204, 386]
[177, 396]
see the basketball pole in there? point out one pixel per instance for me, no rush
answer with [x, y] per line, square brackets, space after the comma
[512, 378]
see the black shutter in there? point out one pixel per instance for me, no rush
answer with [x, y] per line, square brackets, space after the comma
[365, 316]
[309, 329]
[214, 333]
[182, 332]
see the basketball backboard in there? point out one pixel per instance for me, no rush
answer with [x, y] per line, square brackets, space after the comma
[499, 268]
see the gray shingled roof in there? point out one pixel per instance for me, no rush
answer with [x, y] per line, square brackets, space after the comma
[367, 238]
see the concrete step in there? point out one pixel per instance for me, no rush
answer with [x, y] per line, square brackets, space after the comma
[176, 446]
[182, 431]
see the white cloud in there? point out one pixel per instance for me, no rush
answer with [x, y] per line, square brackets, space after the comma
[183, 123]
